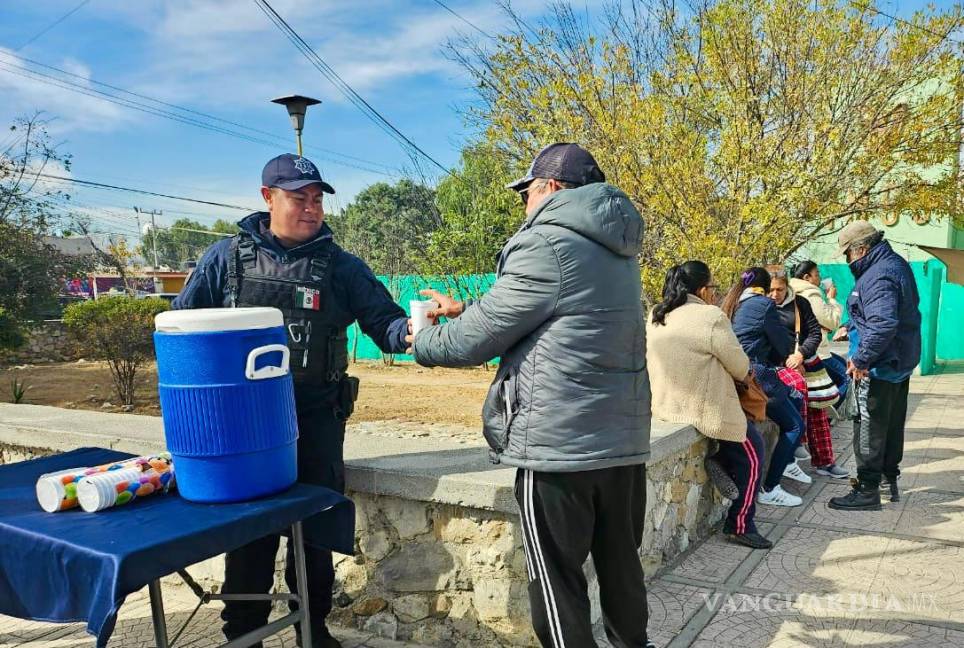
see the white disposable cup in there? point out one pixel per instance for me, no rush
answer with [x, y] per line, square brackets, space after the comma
[826, 283]
[420, 310]
[99, 491]
[51, 491]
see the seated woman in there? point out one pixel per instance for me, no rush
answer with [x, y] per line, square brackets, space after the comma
[761, 334]
[693, 358]
[805, 337]
[806, 282]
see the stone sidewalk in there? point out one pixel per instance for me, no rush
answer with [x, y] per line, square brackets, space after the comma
[887, 579]
[884, 579]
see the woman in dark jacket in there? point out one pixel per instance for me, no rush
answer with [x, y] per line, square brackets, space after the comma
[763, 336]
[805, 342]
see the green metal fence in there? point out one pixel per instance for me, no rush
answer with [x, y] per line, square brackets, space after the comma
[942, 307]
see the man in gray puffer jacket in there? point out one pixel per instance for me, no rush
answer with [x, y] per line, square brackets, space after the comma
[569, 405]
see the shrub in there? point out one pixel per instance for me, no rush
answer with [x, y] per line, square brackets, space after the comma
[119, 330]
[11, 335]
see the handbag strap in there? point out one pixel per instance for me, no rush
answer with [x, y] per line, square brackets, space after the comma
[796, 326]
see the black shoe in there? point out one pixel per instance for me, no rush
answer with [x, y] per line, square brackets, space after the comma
[650, 644]
[753, 540]
[861, 498]
[723, 482]
[891, 484]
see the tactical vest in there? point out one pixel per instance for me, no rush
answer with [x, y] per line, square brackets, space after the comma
[302, 291]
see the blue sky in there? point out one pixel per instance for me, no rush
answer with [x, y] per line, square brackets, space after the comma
[223, 57]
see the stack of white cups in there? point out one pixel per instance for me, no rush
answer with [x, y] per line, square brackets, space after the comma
[99, 491]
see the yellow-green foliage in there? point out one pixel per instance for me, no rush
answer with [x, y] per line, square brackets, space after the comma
[743, 129]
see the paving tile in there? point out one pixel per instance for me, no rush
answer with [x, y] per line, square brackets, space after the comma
[671, 605]
[920, 580]
[750, 622]
[716, 558]
[818, 561]
[897, 632]
[938, 516]
[884, 520]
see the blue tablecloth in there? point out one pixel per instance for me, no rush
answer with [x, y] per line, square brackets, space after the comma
[76, 566]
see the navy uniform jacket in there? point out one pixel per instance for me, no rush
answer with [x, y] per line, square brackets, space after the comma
[353, 284]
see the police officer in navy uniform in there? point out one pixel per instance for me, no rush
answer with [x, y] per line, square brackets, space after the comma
[287, 258]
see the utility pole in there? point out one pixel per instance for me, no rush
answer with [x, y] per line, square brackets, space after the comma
[153, 213]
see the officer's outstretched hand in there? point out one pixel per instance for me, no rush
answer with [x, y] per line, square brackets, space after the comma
[448, 307]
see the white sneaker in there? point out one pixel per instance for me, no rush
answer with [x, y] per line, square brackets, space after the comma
[778, 497]
[801, 453]
[795, 472]
[833, 471]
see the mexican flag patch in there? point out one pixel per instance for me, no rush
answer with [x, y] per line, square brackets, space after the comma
[308, 298]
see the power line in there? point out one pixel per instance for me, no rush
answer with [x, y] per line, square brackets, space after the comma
[53, 24]
[158, 111]
[329, 73]
[463, 19]
[102, 185]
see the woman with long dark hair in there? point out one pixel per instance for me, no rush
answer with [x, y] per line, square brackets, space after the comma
[761, 334]
[693, 359]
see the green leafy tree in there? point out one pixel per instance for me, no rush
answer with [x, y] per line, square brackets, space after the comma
[388, 226]
[32, 272]
[741, 128]
[478, 216]
[119, 330]
[185, 240]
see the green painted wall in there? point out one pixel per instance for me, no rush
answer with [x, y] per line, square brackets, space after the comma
[942, 309]
[405, 289]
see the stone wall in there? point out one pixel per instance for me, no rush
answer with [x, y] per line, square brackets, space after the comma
[45, 341]
[444, 575]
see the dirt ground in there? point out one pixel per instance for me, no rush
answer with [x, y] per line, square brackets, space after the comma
[404, 392]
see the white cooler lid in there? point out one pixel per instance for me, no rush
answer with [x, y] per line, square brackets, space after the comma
[217, 319]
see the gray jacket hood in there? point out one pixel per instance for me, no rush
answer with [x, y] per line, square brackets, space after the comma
[598, 211]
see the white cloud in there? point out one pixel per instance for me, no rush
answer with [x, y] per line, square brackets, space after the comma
[25, 93]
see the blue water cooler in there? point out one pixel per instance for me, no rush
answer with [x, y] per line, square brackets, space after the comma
[228, 402]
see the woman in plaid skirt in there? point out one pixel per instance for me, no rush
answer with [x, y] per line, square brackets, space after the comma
[806, 336]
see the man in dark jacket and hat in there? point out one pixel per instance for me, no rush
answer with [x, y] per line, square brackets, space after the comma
[885, 346]
[569, 406]
[287, 258]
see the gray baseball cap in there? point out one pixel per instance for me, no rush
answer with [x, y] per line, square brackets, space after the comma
[853, 232]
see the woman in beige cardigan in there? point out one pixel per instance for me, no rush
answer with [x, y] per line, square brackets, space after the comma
[694, 358]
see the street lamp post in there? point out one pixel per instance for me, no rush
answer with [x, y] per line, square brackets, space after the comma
[297, 106]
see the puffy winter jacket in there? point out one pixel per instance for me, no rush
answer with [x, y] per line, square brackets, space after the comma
[763, 336]
[884, 315]
[572, 390]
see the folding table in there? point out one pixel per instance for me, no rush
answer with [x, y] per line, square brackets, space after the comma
[75, 566]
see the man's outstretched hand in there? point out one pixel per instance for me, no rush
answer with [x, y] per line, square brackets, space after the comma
[447, 307]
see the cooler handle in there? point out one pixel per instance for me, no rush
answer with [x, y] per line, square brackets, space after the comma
[270, 371]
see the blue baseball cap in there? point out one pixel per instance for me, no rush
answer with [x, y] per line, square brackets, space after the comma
[291, 172]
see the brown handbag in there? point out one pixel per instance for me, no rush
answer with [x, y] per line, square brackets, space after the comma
[753, 399]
